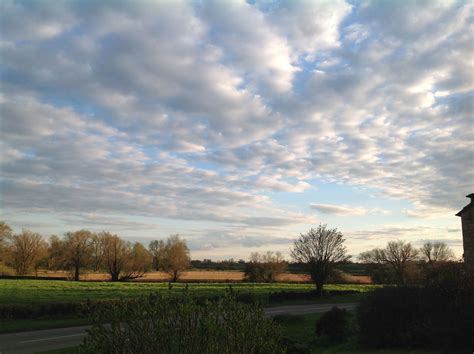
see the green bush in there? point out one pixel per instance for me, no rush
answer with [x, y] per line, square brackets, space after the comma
[335, 325]
[179, 324]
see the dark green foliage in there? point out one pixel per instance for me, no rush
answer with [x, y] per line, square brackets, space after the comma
[439, 316]
[179, 324]
[309, 295]
[335, 325]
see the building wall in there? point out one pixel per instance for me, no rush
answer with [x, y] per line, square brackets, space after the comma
[467, 218]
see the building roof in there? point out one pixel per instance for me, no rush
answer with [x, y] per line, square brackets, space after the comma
[469, 206]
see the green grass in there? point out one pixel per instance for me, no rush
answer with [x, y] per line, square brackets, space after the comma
[14, 291]
[302, 328]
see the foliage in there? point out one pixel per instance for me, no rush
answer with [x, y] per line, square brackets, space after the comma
[335, 325]
[265, 267]
[172, 256]
[182, 325]
[437, 316]
[320, 249]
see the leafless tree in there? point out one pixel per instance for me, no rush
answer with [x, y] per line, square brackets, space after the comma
[5, 234]
[320, 249]
[77, 250]
[97, 252]
[56, 259]
[435, 252]
[158, 251]
[265, 267]
[25, 250]
[123, 260]
[397, 254]
[116, 255]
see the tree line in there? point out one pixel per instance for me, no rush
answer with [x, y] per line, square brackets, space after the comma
[319, 251]
[122, 260]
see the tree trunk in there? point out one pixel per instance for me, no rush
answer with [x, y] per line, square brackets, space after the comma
[319, 288]
[114, 276]
[76, 273]
[175, 276]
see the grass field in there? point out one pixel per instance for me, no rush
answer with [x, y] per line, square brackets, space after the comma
[196, 275]
[13, 291]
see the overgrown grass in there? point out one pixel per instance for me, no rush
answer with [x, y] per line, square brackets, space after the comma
[14, 291]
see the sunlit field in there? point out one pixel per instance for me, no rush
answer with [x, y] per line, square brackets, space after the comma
[44, 291]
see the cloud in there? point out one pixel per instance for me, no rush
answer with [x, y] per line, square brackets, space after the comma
[221, 113]
[338, 209]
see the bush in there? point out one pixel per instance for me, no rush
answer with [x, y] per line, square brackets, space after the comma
[179, 324]
[335, 325]
[439, 316]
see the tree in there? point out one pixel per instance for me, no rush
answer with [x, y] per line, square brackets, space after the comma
[177, 257]
[319, 249]
[122, 260]
[436, 252]
[265, 267]
[77, 250]
[116, 255]
[25, 250]
[158, 251]
[141, 261]
[97, 251]
[5, 234]
[397, 254]
[56, 253]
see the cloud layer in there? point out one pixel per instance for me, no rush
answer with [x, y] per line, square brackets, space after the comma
[201, 112]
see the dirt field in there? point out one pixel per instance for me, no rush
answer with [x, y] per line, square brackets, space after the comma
[210, 276]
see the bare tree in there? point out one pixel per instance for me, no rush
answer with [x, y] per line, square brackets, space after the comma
[397, 254]
[436, 252]
[177, 257]
[265, 267]
[5, 234]
[25, 250]
[158, 251]
[319, 249]
[77, 250]
[116, 255]
[56, 253]
[97, 251]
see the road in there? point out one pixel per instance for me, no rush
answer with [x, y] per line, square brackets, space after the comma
[39, 341]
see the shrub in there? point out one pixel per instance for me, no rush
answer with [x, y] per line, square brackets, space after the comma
[439, 316]
[179, 324]
[335, 325]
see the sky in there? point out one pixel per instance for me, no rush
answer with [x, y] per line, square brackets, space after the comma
[238, 125]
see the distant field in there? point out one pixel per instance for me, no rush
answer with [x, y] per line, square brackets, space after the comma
[211, 276]
[45, 291]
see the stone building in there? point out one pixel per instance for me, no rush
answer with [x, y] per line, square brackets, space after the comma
[467, 219]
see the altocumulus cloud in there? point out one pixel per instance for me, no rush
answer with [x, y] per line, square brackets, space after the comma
[203, 112]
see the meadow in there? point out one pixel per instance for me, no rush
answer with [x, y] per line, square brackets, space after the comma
[15, 291]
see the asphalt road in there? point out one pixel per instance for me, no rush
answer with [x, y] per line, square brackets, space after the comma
[39, 341]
